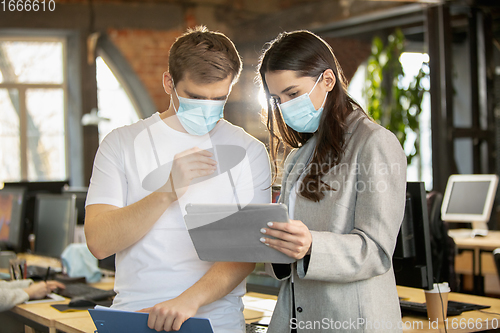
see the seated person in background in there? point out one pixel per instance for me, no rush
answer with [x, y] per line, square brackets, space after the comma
[20, 291]
[141, 220]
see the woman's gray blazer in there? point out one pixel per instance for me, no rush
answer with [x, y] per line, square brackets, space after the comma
[347, 283]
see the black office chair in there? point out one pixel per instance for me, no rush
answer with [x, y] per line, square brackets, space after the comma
[443, 247]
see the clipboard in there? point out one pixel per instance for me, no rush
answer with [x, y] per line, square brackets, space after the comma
[116, 321]
[229, 232]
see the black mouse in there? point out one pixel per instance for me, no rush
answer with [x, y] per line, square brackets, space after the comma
[81, 302]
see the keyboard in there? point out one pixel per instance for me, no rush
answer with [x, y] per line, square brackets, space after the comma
[84, 290]
[454, 308]
[256, 328]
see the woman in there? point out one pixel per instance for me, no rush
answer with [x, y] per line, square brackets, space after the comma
[344, 184]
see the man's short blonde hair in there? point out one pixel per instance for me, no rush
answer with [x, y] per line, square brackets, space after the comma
[206, 55]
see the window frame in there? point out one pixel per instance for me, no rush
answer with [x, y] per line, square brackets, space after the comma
[23, 111]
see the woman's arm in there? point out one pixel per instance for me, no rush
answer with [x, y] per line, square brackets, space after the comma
[9, 298]
[12, 293]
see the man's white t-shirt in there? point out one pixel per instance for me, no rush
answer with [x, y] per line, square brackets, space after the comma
[164, 263]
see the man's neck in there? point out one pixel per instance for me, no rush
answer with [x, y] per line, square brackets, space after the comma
[170, 118]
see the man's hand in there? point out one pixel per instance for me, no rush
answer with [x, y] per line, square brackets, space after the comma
[41, 289]
[220, 279]
[188, 165]
[170, 315]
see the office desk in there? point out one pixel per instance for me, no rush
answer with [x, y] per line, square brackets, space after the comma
[80, 324]
[474, 321]
[42, 315]
[470, 321]
[45, 315]
[480, 261]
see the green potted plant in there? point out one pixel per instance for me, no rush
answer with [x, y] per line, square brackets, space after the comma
[389, 103]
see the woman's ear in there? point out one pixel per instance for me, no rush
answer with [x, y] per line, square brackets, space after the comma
[167, 83]
[329, 79]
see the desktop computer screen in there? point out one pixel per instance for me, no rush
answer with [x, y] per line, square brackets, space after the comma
[32, 189]
[55, 220]
[469, 198]
[412, 260]
[11, 218]
[40, 187]
[461, 200]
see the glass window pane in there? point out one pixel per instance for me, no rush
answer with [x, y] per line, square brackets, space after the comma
[421, 167]
[114, 103]
[46, 140]
[355, 88]
[463, 155]
[10, 156]
[31, 62]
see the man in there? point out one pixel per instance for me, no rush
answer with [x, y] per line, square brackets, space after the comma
[145, 174]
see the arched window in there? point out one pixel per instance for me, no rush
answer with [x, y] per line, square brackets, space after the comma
[114, 103]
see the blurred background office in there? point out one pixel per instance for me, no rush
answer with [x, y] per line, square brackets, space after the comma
[71, 71]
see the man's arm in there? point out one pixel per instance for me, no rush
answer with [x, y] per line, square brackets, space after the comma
[109, 229]
[220, 280]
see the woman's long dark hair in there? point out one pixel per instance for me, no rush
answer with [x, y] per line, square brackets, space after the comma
[308, 55]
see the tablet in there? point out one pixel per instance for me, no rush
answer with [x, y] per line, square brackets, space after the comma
[222, 232]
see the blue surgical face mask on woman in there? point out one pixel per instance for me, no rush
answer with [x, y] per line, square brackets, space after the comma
[199, 116]
[300, 114]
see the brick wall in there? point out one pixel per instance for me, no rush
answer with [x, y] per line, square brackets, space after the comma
[147, 53]
[350, 53]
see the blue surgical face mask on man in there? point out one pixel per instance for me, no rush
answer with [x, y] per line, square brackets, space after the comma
[199, 116]
[300, 114]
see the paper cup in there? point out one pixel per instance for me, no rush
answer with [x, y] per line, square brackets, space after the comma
[437, 302]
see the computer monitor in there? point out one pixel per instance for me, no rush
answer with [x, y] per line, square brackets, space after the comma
[39, 187]
[11, 218]
[412, 259]
[32, 189]
[55, 220]
[469, 198]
